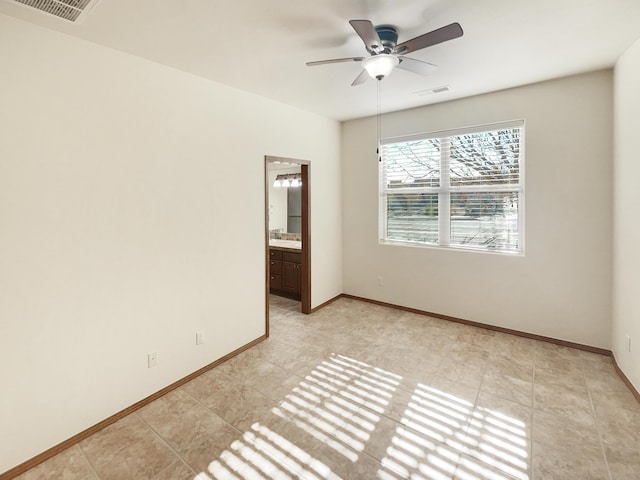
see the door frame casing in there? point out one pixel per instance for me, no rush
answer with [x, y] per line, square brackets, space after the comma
[305, 281]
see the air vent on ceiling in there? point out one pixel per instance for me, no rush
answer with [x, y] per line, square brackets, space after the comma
[70, 10]
[431, 91]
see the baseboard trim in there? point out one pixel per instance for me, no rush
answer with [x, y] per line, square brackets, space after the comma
[624, 378]
[328, 302]
[517, 333]
[70, 442]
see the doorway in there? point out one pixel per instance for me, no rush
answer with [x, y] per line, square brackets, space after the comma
[287, 207]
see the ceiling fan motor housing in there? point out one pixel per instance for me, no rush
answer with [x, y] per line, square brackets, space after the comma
[388, 37]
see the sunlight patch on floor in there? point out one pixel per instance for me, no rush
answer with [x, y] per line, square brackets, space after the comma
[339, 404]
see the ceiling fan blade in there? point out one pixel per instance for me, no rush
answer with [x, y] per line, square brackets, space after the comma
[368, 34]
[360, 79]
[335, 60]
[440, 35]
[416, 66]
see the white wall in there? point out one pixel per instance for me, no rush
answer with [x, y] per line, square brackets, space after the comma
[626, 257]
[119, 234]
[561, 287]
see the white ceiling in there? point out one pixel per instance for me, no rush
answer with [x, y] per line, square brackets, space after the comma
[261, 46]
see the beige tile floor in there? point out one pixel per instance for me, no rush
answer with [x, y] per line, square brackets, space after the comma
[360, 391]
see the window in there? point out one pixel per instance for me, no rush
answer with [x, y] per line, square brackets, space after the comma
[460, 188]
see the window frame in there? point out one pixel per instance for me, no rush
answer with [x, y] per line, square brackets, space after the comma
[445, 189]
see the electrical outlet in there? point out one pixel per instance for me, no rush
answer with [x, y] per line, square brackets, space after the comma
[380, 283]
[628, 342]
[199, 338]
[152, 359]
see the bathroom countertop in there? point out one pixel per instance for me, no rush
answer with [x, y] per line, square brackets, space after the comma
[286, 244]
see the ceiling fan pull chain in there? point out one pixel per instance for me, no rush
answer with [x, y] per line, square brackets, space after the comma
[379, 122]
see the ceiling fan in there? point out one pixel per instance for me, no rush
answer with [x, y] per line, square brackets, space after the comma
[385, 53]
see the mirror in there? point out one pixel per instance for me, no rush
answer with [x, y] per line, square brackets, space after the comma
[285, 206]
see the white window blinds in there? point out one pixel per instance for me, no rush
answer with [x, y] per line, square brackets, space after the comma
[461, 188]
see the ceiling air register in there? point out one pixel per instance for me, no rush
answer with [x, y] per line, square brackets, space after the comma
[71, 10]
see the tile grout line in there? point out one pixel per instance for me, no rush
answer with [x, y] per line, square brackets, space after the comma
[473, 408]
[595, 418]
[533, 402]
[91, 466]
[162, 440]
[183, 462]
[468, 426]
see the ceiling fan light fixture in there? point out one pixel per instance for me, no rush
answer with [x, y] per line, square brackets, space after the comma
[379, 66]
